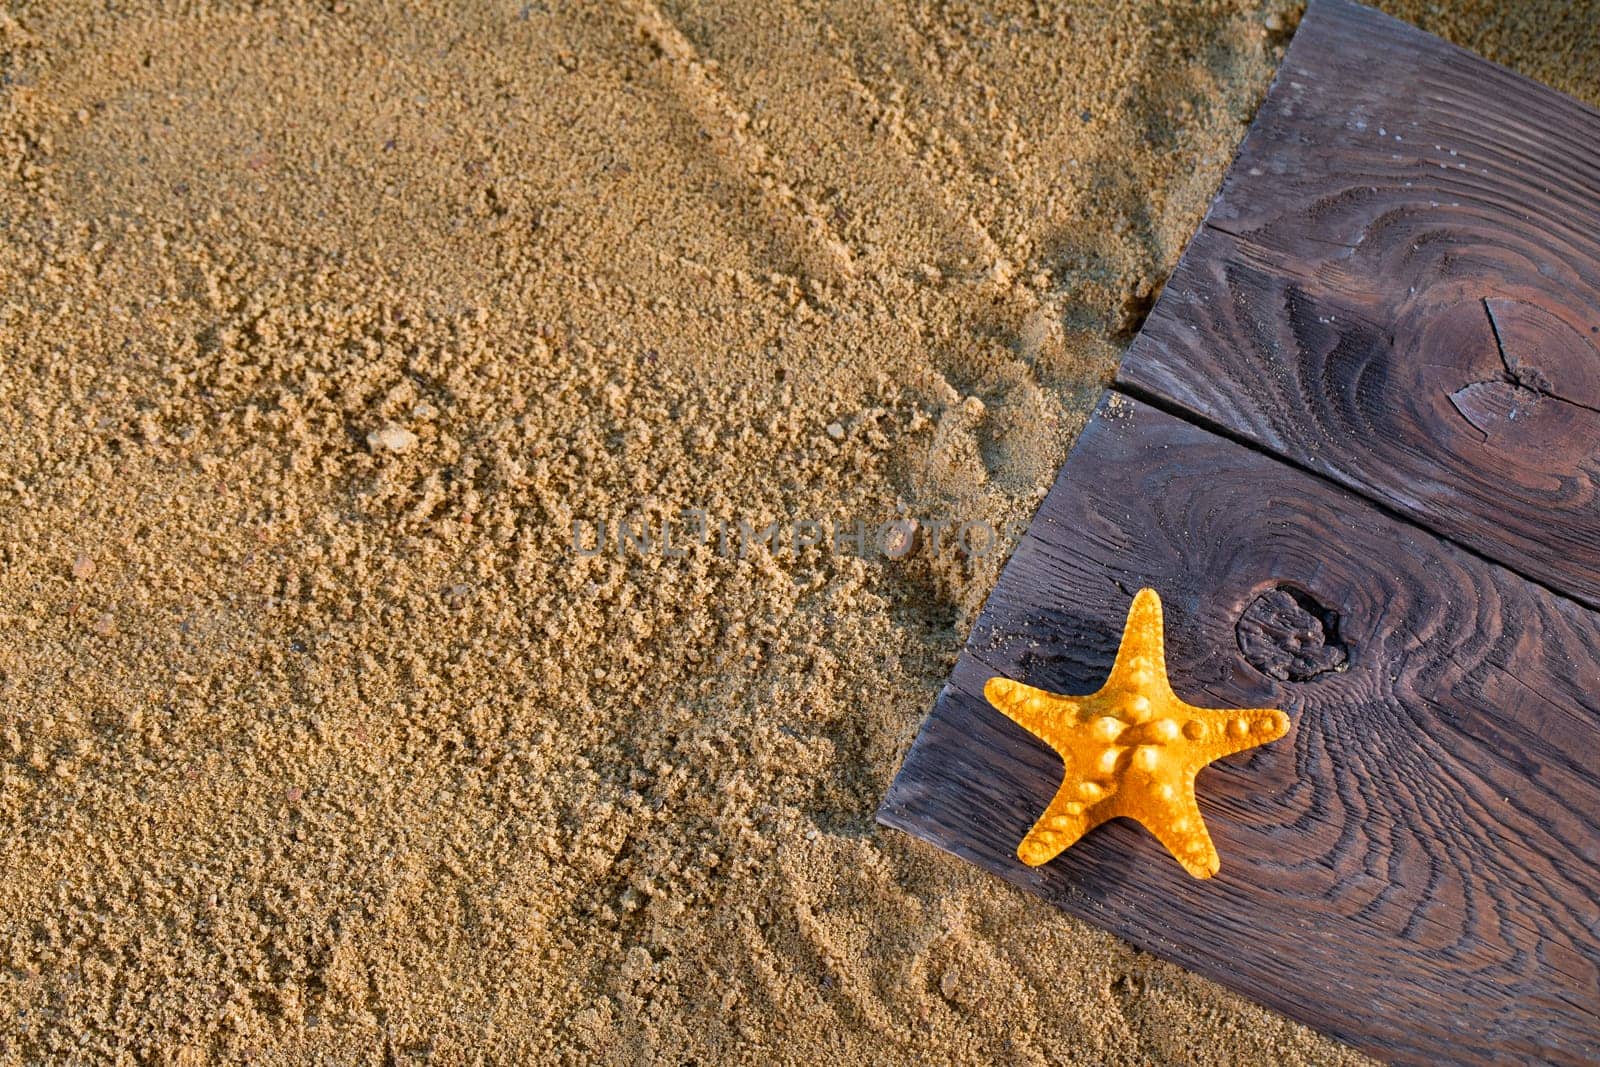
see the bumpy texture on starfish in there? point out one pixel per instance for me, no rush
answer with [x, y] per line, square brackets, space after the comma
[1133, 748]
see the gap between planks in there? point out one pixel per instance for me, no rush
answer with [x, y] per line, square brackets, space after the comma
[1194, 418]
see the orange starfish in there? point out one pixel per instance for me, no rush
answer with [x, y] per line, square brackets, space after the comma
[1132, 748]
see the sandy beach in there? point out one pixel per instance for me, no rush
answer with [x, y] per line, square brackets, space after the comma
[322, 329]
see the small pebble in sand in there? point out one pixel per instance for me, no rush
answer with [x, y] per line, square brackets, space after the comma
[293, 794]
[105, 625]
[897, 537]
[835, 430]
[82, 567]
[391, 437]
[950, 984]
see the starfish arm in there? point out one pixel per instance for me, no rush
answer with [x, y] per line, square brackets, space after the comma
[1214, 733]
[1063, 822]
[1035, 710]
[1141, 664]
[1177, 824]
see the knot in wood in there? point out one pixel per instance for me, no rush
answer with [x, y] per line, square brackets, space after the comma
[1286, 634]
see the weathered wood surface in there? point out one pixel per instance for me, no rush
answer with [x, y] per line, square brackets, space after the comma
[1399, 287]
[1416, 868]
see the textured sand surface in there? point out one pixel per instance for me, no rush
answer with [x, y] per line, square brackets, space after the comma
[319, 326]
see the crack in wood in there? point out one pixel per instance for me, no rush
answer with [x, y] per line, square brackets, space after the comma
[1492, 406]
[1461, 400]
[1244, 237]
[1525, 375]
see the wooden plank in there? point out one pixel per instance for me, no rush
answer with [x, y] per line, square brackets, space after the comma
[1399, 287]
[1415, 869]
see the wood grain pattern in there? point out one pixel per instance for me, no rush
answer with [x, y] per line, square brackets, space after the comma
[1399, 287]
[1416, 868]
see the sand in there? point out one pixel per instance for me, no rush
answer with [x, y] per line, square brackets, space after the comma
[319, 327]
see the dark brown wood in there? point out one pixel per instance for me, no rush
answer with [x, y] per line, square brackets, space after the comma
[1399, 290]
[1399, 287]
[1415, 869]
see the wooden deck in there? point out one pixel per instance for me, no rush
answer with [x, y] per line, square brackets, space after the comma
[1399, 287]
[1369, 396]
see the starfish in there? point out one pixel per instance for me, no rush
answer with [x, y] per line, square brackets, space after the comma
[1132, 748]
